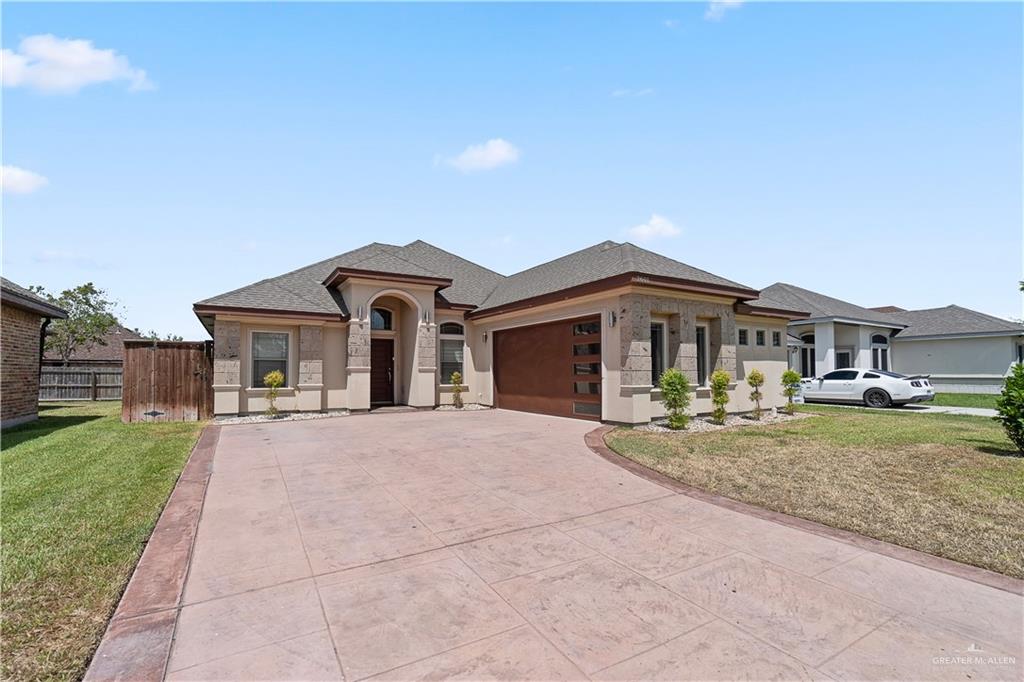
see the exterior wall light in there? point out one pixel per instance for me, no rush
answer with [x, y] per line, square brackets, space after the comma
[612, 318]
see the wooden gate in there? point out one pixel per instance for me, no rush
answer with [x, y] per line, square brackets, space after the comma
[167, 381]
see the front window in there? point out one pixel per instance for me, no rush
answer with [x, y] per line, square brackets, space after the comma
[451, 348]
[743, 337]
[380, 319]
[1020, 353]
[759, 337]
[776, 339]
[880, 358]
[657, 351]
[269, 352]
[702, 355]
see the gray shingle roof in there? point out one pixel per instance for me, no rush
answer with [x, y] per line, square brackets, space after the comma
[790, 297]
[21, 297]
[951, 320]
[302, 290]
[592, 264]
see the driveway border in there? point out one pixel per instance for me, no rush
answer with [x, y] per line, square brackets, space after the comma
[137, 642]
[596, 442]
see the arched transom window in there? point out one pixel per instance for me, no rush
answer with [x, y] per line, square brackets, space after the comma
[380, 318]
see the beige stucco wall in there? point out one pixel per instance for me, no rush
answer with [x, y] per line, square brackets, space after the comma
[982, 360]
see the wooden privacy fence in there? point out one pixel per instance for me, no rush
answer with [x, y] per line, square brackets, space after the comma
[80, 383]
[167, 381]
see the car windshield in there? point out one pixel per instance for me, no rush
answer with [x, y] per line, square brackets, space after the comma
[894, 375]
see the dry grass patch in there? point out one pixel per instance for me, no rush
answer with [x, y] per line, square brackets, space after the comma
[943, 484]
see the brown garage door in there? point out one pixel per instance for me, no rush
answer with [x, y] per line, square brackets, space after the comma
[551, 368]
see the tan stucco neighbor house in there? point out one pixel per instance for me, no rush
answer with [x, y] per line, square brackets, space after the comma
[583, 336]
[962, 350]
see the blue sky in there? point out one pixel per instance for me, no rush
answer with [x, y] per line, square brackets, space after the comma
[868, 151]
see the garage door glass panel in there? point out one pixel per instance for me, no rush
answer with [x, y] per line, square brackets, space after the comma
[586, 328]
[587, 409]
[584, 368]
[586, 349]
[587, 387]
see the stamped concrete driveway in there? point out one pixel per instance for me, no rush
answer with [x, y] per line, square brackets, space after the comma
[495, 545]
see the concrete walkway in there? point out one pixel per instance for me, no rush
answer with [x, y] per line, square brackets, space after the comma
[495, 545]
[942, 409]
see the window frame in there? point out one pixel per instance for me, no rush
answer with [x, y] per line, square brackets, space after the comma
[702, 352]
[441, 339]
[743, 337]
[761, 338]
[391, 319]
[662, 351]
[287, 359]
[776, 339]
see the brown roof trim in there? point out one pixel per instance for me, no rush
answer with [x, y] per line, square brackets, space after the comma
[341, 274]
[41, 308]
[266, 312]
[746, 309]
[625, 279]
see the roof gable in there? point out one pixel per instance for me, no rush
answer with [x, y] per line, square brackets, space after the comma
[952, 320]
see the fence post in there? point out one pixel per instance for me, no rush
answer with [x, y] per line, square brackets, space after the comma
[95, 391]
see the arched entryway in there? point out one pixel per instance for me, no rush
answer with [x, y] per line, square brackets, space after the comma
[394, 320]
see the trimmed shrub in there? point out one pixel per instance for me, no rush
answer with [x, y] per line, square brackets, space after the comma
[790, 388]
[457, 389]
[755, 379]
[675, 390]
[720, 381]
[1010, 407]
[273, 381]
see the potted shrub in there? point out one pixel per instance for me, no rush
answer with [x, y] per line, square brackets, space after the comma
[720, 380]
[755, 379]
[273, 381]
[457, 390]
[790, 388]
[675, 390]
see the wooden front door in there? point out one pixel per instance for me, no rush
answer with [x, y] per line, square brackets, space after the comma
[382, 371]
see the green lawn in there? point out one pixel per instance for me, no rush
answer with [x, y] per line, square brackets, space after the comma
[81, 494]
[966, 400]
[943, 484]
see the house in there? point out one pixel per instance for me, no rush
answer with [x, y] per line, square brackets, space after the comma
[108, 353]
[584, 335]
[25, 317]
[962, 350]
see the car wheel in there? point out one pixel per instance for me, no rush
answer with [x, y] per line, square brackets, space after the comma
[876, 397]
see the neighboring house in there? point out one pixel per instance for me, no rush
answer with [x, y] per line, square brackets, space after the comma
[25, 318]
[107, 353]
[585, 335]
[962, 350]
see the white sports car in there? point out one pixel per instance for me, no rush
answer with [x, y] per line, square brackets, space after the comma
[873, 387]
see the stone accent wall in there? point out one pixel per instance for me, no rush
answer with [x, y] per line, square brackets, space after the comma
[426, 346]
[359, 344]
[19, 357]
[635, 312]
[311, 355]
[227, 349]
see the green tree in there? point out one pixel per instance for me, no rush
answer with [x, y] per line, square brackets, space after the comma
[790, 388]
[1010, 407]
[755, 379]
[675, 390]
[154, 336]
[720, 381]
[90, 317]
[457, 389]
[273, 380]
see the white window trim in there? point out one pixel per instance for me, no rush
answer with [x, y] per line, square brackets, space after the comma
[776, 334]
[290, 362]
[451, 337]
[738, 343]
[764, 335]
[849, 350]
[663, 323]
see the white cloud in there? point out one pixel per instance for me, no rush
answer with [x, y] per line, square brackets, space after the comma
[72, 258]
[670, 23]
[655, 228]
[480, 157]
[16, 180]
[62, 65]
[626, 92]
[717, 8]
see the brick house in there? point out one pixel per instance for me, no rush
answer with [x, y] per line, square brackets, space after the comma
[25, 318]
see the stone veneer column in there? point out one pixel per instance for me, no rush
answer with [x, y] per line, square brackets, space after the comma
[634, 398]
[422, 392]
[227, 366]
[311, 368]
[358, 368]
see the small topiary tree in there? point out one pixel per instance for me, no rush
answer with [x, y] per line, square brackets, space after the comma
[1010, 407]
[755, 379]
[790, 388]
[457, 390]
[720, 380]
[675, 389]
[273, 381]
